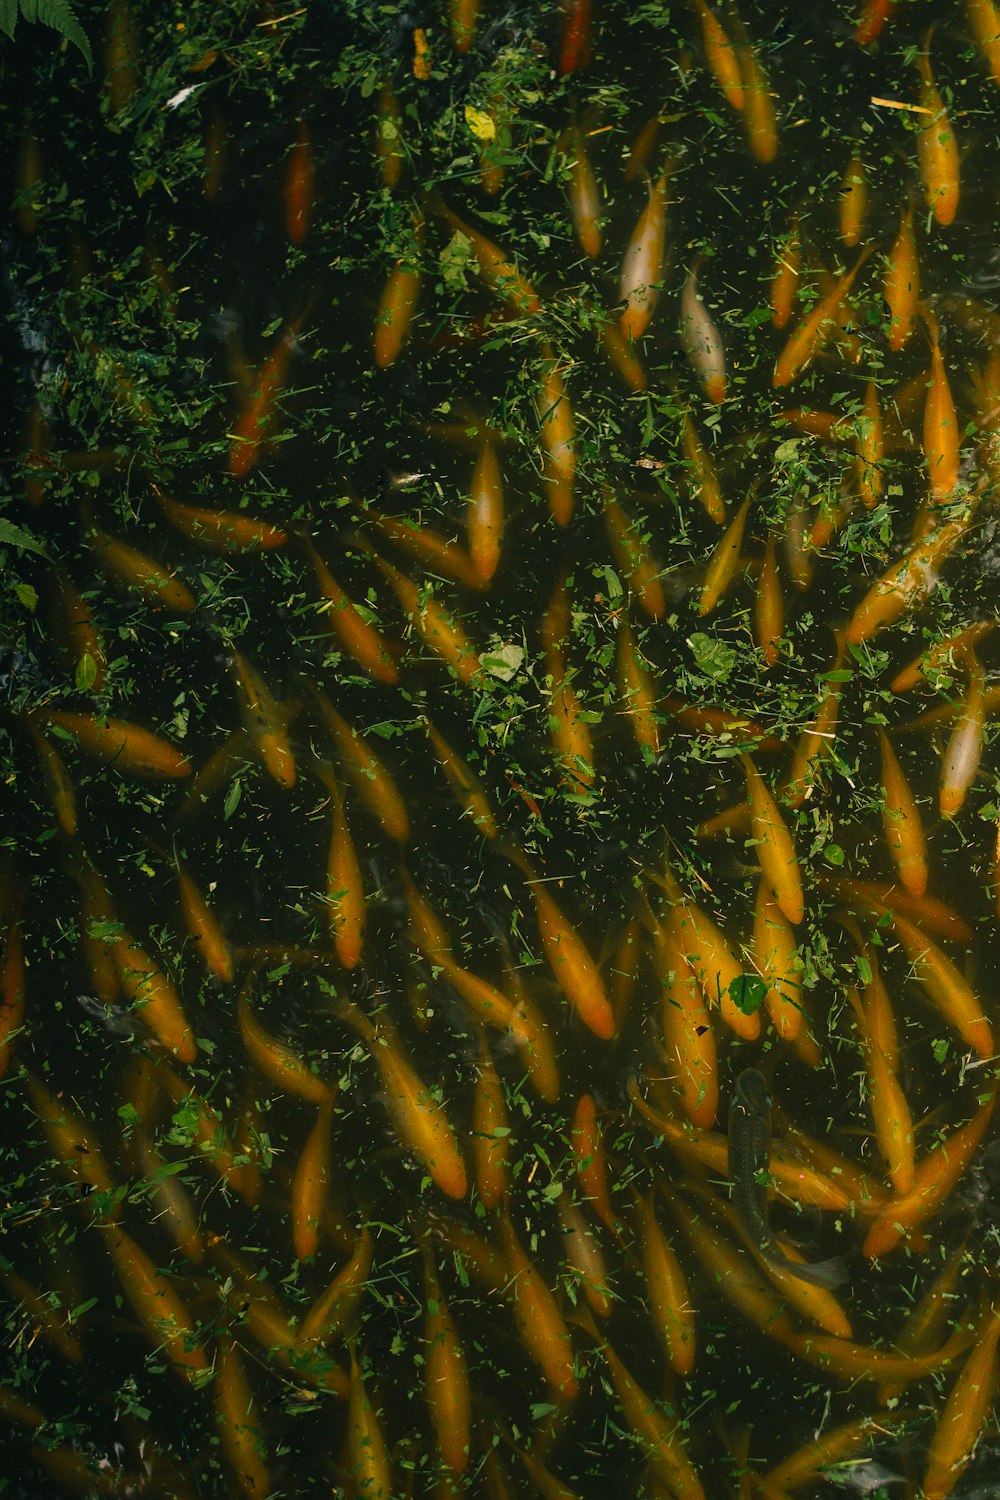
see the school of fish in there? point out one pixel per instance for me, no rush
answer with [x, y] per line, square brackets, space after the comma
[498, 971]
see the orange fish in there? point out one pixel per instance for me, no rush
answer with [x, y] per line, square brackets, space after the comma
[787, 275]
[966, 1410]
[853, 201]
[299, 175]
[490, 1133]
[221, 530]
[159, 586]
[498, 272]
[446, 1378]
[309, 1183]
[158, 1307]
[417, 1114]
[721, 57]
[816, 327]
[356, 634]
[539, 1321]
[934, 1179]
[372, 781]
[773, 844]
[399, 300]
[642, 267]
[902, 283]
[257, 422]
[575, 970]
[937, 148]
[345, 891]
[264, 719]
[904, 832]
[964, 749]
[558, 434]
[128, 747]
[688, 1038]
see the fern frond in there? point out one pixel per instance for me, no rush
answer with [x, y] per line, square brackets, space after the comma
[55, 13]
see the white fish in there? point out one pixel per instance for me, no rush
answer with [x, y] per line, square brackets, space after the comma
[701, 338]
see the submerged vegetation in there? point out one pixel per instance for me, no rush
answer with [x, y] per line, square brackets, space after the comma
[497, 639]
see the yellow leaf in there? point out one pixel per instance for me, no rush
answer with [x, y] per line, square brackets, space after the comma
[479, 123]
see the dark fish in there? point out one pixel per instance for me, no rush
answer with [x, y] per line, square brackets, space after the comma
[749, 1159]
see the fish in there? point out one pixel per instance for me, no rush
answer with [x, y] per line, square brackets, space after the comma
[937, 148]
[688, 1038]
[299, 185]
[539, 1322]
[983, 19]
[399, 300]
[310, 1180]
[334, 1315]
[853, 201]
[786, 276]
[904, 832]
[277, 1062]
[889, 1107]
[264, 719]
[159, 1307]
[355, 632]
[576, 973]
[417, 1114]
[670, 1303]
[773, 844]
[446, 1379]
[498, 272]
[256, 424]
[901, 288]
[724, 563]
[967, 1409]
[389, 135]
[701, 339]
[238, 1419]
[584, 196]
[222, 531]
[161, 587]
[583, 1255]
[721, 56]
[816, 327]
[642, 265]
[371, 1466]
[491, 1132]
[557, 429]
[769, 607]
[964, 749]
[345, 891]
[749, 1155]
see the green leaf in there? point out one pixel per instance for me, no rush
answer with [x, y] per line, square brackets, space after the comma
[833, 854]
[16, 536]
[86, 673]
[58, 15]
[8, 17]
[747, 993]
[27, 595]
[713, 657]
[232, 801]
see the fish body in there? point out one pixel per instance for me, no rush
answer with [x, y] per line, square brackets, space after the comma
[749, 1158]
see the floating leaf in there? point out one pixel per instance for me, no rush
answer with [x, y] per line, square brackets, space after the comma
[480, 123]
[86, 673]
[712, 656]
[232, 801]
[747, 993]
[16, 536]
